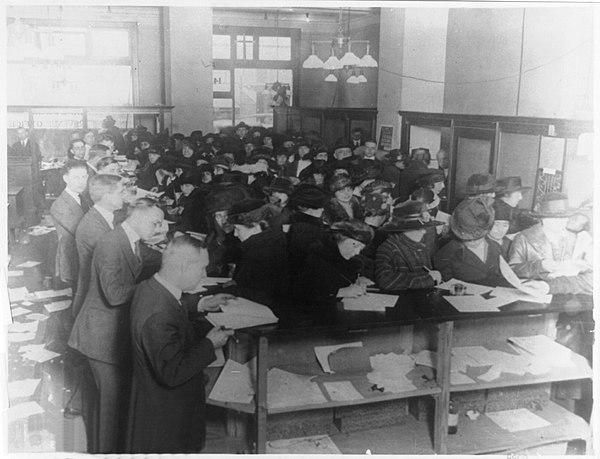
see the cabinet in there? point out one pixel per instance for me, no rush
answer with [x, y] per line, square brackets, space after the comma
[420, 320]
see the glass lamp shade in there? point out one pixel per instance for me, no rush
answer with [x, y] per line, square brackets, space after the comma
[312, 62]
[353, 79]
[361, 78]
[333, 63]
[331, 78]
[368, 61]
[350, 59]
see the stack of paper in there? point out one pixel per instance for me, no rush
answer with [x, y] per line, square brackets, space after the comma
[390, 370]
[45, 294]
[426, 358]
[235, 383]
[242, 313]
[370, 302]
[476, 303]
[322, 353]
[285, 389]
[517, 420]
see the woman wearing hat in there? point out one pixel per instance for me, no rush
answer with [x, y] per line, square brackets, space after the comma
[502, 219]
[147, 177]
[343, 205]
[331, 270]
[508, 195]
[261, 271]
[470, 257]
[403, 261]
[553, 253]
[278, 193]
[189, 206]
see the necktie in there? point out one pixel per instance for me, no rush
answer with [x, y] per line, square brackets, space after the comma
[137, 250]
[84, 204]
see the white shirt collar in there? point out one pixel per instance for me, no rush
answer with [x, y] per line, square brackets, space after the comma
[369, 158]
[74, 195]
[175, 291]
[106, 214]
[131, 234]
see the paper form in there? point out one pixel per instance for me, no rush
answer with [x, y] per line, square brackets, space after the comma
[390, 370]
[24, 410]
[23, 388]
[16, 312]
[472, 289]
[511, 295]
[322, 353]
[57, 305]
[517, 420]
[29, 264]
[285, 389]
[18, 294]
[370, 302]
[475, 303]
[342, 391]
[235, 383]
[44, 294]
[316, 444]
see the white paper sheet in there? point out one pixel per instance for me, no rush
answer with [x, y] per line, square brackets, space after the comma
[517, 295]
[316, 444]
[57, 305]
[24, 410]
[36, 316]
[242, 313]
[29, 264]
[342, 391]
[40, 355]
[322, 353]
[370, 302]
[16, 312]
[18, 294]
[390, 370]
[285, 389]
[23, 327]
[23, 388]
[517, 420]
[472, 289]
[457, 378]
[545, 351]
[426, 358]
[20, 337]
[475, 303]
[44, 294]
[235, 383]
[15, 273]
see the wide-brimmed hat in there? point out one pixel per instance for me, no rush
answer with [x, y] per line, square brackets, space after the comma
[368, 172]
[410, 216]
[510, 184]
[480, 184]
[429, 178]
[472, 219]
[190, 179]
[378, 186]
[553, 205]
[354, 229]
[280, 184]
[248, 211]
[222, 161]
[339, 182]
[224, 199]
[307, 195]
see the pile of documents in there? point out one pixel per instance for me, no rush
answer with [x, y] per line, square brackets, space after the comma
[370, 302]
[390, 372]
[242, 313]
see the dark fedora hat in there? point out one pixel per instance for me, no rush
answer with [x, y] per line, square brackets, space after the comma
[480, 184]
[280, 184]
[472, 219]
[354, 229]
[307, 195]
[408, 217]
[510, 184]
[553, 205]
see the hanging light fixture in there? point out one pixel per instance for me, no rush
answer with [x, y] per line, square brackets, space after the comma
[352, 79]
[333, 63]
[367, 60]
[331, 78]
[349, 59]
[313, 61]
[362, 78]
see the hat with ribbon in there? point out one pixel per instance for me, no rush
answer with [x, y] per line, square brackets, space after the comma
[248, 211]
[481, 184]
[410, 216]
[553, 205]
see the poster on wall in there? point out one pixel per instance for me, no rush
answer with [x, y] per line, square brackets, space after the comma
[386, 134]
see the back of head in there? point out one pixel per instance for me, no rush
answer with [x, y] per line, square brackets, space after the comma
[181, 249]
[421, 154]
[73, 164]
[141, 206]
[102, 184]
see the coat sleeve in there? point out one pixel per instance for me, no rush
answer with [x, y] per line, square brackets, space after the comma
[117, 287]
[442, 261]
[172, 362]
[524, 260]
[393, 273]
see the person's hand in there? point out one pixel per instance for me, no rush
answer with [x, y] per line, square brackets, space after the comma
[352, 291]
[213, 303]
[436, 276]
[364, 281]
[218, 336]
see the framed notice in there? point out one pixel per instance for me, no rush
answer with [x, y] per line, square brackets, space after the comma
[386, 134]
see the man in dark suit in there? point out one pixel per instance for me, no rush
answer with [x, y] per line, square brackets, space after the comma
[25, 146]
[101, 329]
[167, 409]
[66, 212]
[106, 191]
[302, 161]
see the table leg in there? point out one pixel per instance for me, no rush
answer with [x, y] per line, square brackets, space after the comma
[442, 401]
[261, 395]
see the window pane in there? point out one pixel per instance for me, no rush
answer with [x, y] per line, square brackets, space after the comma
[275, 48]
[110, 44]
[221, 80]
[245, 43]
[223, 113]
[257, 91]
[221, 47]
[55, 44]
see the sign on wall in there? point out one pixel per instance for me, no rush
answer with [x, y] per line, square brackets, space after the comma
[386, 135]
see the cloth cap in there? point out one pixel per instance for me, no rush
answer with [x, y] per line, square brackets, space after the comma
[472, 219]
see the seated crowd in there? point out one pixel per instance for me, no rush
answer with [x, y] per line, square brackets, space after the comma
[295, 224]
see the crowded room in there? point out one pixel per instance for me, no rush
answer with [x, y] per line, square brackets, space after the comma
[355, 228]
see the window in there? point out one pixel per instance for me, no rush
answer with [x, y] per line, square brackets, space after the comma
[110, 44]
[258, 74]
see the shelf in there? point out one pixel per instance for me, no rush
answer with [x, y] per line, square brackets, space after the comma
[483, 436]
